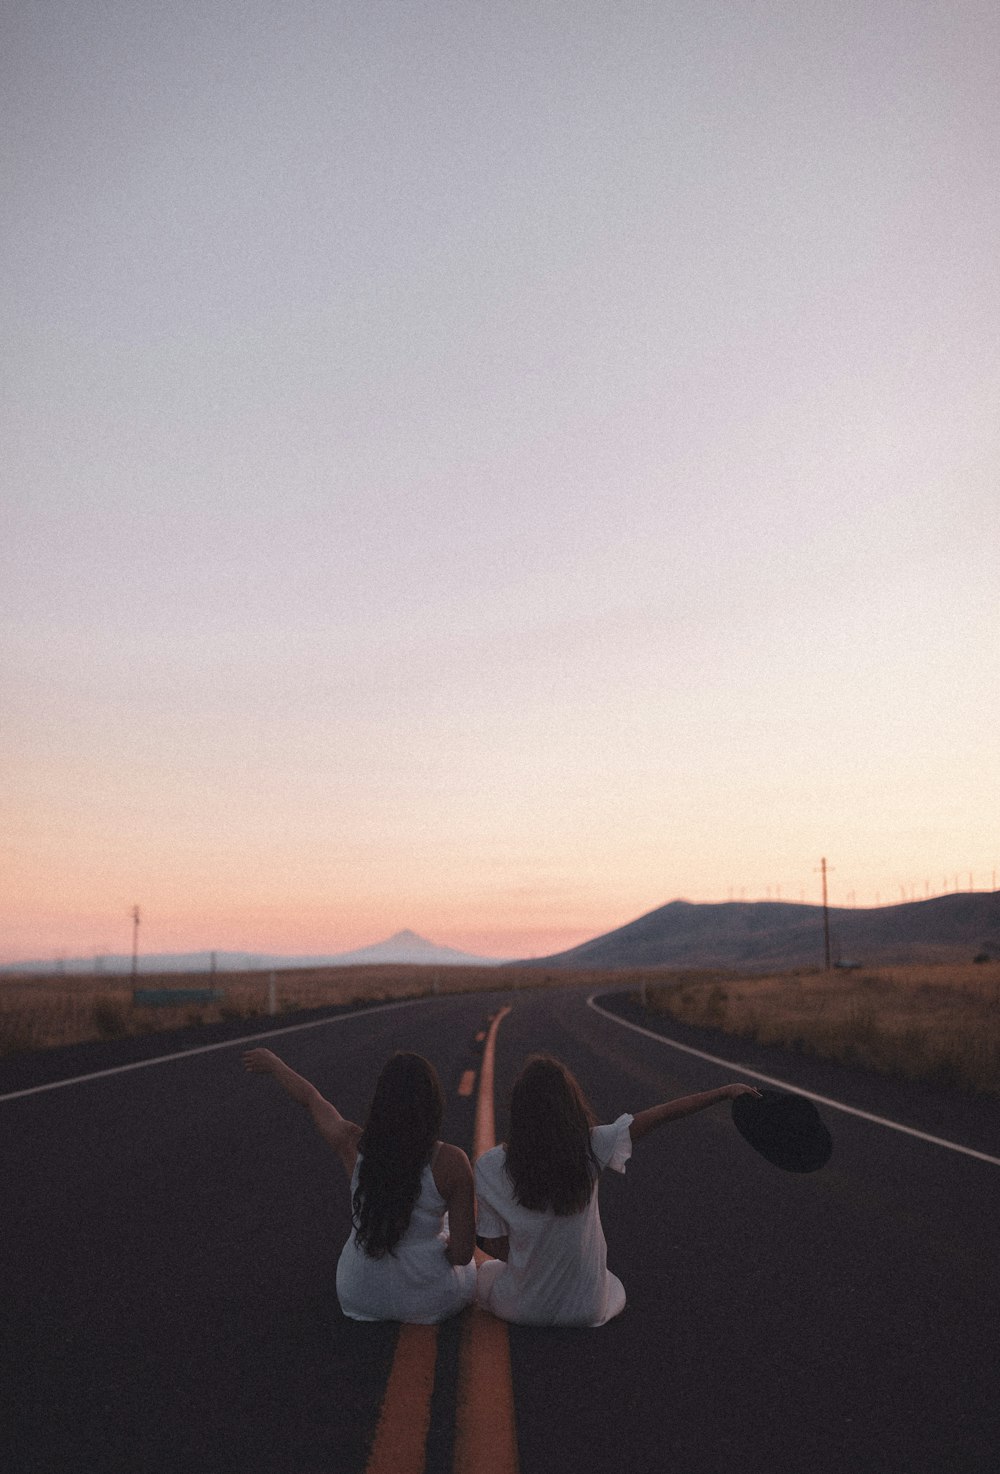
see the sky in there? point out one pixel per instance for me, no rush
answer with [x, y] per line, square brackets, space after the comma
[493, 468]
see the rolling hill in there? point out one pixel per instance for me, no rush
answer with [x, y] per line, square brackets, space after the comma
[776, 935]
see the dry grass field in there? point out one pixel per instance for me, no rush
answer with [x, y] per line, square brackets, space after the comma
[40, 1012]
[939, 1023]
[935, 1022]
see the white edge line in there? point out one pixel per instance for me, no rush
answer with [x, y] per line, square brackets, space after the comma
[162, 1059]
[835, 1105]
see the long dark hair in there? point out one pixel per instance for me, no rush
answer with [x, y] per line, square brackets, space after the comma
[549, 1157]
[403, 1122]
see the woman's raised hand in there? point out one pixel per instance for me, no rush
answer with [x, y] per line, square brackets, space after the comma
[260, 1061]
[732, 1091]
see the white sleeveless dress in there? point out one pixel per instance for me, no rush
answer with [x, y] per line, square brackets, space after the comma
[415, 1282]
[557, 1271]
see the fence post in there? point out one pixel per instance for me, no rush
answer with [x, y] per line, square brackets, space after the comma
[272, 994]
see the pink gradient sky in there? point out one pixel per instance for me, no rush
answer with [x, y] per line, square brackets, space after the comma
[493, 469]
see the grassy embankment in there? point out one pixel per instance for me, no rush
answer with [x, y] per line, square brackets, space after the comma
[939, 1024]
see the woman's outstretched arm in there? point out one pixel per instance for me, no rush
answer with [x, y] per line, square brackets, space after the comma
[684, 1105]
[341, 1134]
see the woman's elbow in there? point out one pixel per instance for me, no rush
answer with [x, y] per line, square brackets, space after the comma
[459, 1253]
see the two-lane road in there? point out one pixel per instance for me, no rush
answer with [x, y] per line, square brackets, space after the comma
[171, 1233]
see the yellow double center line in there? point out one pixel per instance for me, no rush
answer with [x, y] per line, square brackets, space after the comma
[485, 1438]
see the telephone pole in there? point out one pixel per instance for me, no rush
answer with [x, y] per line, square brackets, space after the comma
[135, 942]
[826, 918]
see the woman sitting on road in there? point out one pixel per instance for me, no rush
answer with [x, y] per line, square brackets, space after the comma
[409, 1255]
[537, 1194]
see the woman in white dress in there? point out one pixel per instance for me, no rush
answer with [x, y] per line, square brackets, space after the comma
[409, 1256]
[537, 1194]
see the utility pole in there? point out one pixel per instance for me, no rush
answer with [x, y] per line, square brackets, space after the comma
[135, 942]
[826, 918]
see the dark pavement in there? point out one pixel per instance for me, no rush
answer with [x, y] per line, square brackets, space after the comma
[170, 1237]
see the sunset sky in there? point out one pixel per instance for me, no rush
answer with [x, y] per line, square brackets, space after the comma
[493, 468]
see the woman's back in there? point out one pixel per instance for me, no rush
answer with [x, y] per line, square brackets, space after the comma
[414, 1281]
[556, 1271]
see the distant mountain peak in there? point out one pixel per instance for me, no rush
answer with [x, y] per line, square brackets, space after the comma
[405, 946]
[408, 946]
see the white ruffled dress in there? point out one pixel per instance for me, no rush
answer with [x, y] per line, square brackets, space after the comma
[557, 1272]
[415, 1282]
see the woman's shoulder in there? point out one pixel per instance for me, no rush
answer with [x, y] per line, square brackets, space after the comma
[612, 1144]
[495, 1157]
[450, 1167]
[446, 1152]
[490, 1166]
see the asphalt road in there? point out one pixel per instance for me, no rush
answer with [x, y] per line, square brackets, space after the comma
[170, 1237]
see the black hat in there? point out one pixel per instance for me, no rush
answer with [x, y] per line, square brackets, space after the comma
[786, 1129]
